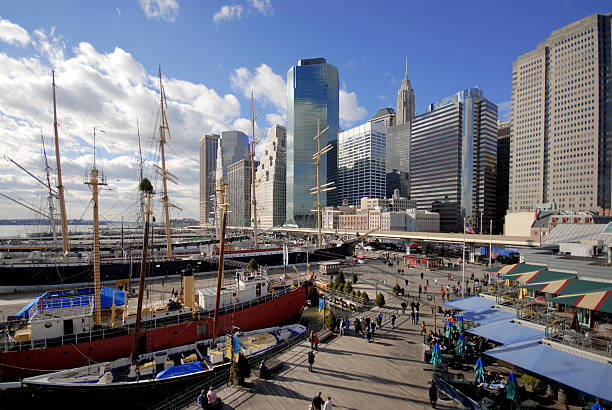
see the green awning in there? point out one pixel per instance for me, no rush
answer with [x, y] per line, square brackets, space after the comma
[599, 301]
[520, 269]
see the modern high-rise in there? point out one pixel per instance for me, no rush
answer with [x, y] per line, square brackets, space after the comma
[453, 160]
[208, 165]
[561, 113]
[312, 92]
[361, 162]
[239, 182]
[503, 174]
[271, 177]
[235, 146]
[406, 110]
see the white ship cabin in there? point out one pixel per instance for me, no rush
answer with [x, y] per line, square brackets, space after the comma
[248, 286]
[58, 322]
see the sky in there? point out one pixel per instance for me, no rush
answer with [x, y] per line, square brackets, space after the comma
[213, 54]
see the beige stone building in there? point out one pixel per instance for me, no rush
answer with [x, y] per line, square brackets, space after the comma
[560, 148]
[270, 190]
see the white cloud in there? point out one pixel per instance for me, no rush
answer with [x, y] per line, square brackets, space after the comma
[12, 33]
[263, 6]
[108, 90]
[350, 110]
[228, 13]
[160, 9]
[266, 85]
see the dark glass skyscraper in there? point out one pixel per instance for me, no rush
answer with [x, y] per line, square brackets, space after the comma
[312, 88]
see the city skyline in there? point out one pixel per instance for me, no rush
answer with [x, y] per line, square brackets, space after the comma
[106, 78]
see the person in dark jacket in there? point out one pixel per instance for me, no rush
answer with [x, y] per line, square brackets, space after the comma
[311, 358]
[433, 394]
[317, 402]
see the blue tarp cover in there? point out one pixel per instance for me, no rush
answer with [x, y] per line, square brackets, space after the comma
[488, 315]
[471, 303]
[507, 332]
[586, 375]
[180, 370]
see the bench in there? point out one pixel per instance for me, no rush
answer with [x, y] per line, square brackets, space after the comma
[269, 367]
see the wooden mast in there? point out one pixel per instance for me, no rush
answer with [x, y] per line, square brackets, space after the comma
[163, 128]
[95, 179]
[223, 221]
[254, 141]
[320, 188]
[60, 186]
[143, 266]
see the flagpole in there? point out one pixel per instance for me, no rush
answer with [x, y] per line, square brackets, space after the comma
[490, 239]
[463, 263]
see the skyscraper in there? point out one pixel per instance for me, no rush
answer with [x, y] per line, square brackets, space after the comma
[398, 141]
[503, 169]
[406, 109]
[361, 162]
[208, 165]
[271, 176]
[235, 146]
[239, 183]
[312, 90]
[561, 113]
[453, 160]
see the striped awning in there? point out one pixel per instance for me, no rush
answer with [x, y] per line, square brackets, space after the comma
[554, 287]
[569, 286]
[526, 277]
[600, 301]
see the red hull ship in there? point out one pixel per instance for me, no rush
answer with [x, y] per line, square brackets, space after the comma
[263, 312]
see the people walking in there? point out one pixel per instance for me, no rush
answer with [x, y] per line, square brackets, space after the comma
[423, 328]
[341, 326]
[404, 305]
[393, 317]
[379, 320]
[421, 275]
[311, 358]
[420, 290]
[328, 404]
[373, 326]
[311, 338]
[412, 316]
[433, 394]
[316, 341]
[317, 402]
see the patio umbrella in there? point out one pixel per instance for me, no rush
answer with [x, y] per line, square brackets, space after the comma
[449, 329]
[574, 325]
[512, 388]
[436, 357]
[461, 345]
[479, 371]
[460, 323]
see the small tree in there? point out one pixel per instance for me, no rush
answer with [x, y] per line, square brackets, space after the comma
[330, 321]
[365, 296]
[396, 289]
[240, 370]
[340, 278]
[348, 288]
[252, 266]
[354, 279]
[353, 293]
[380, 300]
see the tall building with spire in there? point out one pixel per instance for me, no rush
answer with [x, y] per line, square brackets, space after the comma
[405, 101]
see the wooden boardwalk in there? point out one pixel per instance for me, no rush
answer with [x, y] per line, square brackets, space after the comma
[386, 374]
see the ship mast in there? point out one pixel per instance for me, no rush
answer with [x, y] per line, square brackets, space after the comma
[94, 179]
[166, 176]
[223, 221]
[320, 188]
[51, 207]
[60, 186]
[146, 188]
[254, 141]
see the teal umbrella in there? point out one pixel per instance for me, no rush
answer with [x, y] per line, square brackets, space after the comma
[479, 371]
[461, 345]
[596, 406]
[460, 324]
[449, 329]
[512, 388]
[436, 357]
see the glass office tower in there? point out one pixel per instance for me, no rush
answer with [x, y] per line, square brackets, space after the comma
[312, 88]
[235, 146]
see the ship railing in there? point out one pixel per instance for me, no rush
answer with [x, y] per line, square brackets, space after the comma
[219, 377]
[103, 333]
[60, 303]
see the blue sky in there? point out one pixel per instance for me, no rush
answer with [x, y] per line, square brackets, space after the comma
[213, 53]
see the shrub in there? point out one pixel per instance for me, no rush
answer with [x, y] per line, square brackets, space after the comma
[252, 266]
[340, 278]
[532, 382]
[353, 293]
[331, 321]
[380, 300]
[354, 279]
[348, 288]
[365, 296]
[396, 289]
